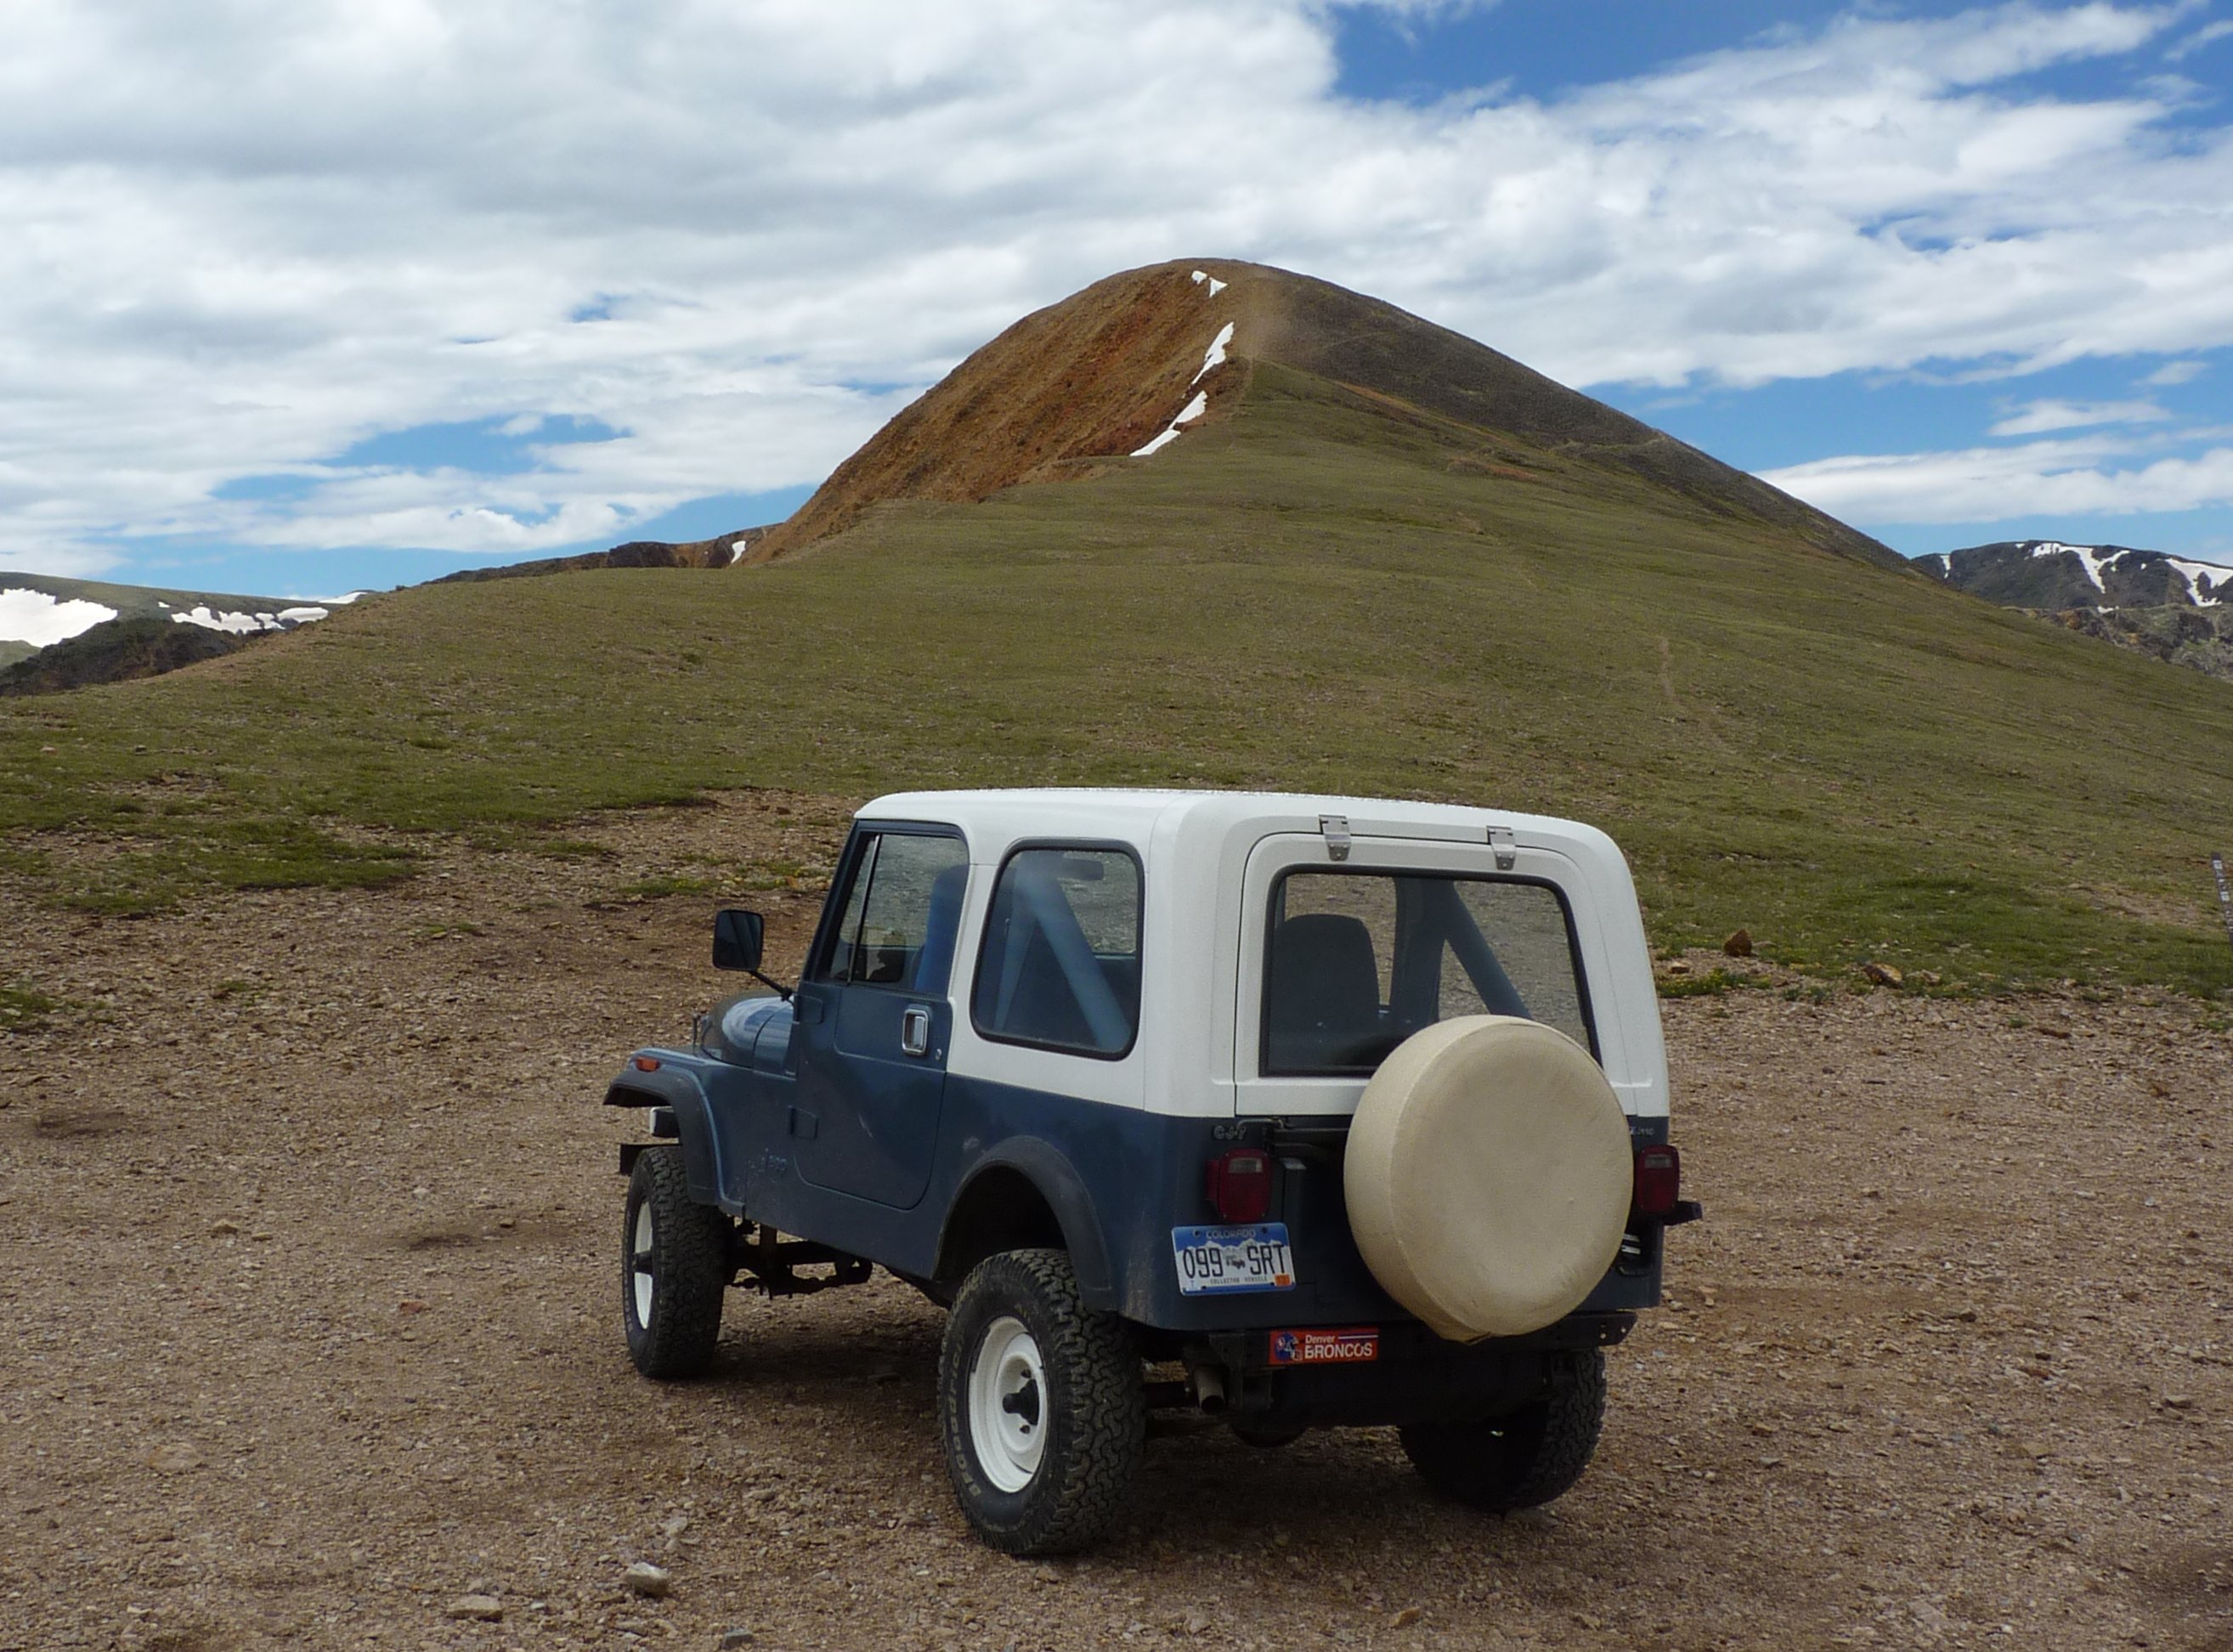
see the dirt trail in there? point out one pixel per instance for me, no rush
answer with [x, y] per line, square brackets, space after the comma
[311, 1328]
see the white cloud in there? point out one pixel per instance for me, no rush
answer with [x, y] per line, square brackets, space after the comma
[238, 235]
[2036, 418]
[2203, 36]
[2071, 478]
[2177, 373]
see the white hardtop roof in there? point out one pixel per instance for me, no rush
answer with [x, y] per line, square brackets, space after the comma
[1132, 816]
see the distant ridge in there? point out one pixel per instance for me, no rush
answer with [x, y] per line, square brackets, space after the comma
[38, 611]
[718, 552]
[2171, 608]
[2053, 575]
[1096, 378]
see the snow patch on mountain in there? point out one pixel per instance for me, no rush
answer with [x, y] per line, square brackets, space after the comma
[1214, 356]
[2209, 584]
[43, 620]
[238, 624]
[1192, 410]
[2089, 557]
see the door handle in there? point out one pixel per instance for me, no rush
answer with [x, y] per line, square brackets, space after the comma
[915, 1029]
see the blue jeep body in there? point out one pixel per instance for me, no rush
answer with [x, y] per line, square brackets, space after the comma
[885, 1114]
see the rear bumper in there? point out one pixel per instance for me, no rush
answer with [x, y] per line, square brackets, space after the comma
[1415, 1377]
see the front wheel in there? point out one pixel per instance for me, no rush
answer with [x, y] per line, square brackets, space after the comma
[1042, 1411]
[674, 1269]
[1525, 1458]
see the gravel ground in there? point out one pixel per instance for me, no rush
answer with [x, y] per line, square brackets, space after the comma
[313, 1329]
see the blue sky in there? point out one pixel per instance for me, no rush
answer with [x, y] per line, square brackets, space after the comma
[303, 299]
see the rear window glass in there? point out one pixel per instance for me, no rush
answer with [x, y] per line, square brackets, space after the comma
[1060, 966]
[1356, 962]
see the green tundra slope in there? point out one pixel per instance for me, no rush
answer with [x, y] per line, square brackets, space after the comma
[1317, 588]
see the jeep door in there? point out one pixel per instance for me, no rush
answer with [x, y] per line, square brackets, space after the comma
[874, 1018]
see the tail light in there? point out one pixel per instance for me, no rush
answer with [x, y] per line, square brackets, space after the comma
[1658, 1181]
[1240, 1185]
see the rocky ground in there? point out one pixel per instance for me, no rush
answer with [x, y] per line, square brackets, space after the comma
[312, 1331]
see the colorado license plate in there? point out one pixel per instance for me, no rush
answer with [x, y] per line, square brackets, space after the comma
[1218, 1261]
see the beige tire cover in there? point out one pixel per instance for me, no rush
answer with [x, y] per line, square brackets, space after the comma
[1488, 1175]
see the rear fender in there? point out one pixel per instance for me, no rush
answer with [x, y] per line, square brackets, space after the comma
[1059, 1183]
[675, 1087]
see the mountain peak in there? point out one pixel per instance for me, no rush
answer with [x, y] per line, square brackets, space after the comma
[1131, 364]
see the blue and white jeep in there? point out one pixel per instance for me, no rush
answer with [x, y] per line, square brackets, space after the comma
[1299, 1111]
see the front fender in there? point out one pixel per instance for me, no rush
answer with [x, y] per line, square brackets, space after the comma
[676, 1085]
[1050, 1171]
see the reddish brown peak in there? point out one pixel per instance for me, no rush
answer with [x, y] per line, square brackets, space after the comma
[1097, 375]
[1102, 372]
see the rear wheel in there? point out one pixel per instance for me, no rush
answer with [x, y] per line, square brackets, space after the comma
[1042, 1411]
[674, 1269]
[1525, 1458]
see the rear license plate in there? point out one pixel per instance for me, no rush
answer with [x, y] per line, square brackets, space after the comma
[1222, 1261]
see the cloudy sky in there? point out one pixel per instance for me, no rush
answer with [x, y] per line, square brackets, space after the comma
[294, 298]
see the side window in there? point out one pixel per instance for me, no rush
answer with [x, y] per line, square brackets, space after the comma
[902, 914]
[1359, 961]
[1060, 966]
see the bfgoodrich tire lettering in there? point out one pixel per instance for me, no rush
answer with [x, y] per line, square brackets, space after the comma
[1524, 1459]
[1042, 1411]
[674, 1269]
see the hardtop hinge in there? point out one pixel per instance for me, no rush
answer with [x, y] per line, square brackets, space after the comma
[1335, 828]
[1507, 851]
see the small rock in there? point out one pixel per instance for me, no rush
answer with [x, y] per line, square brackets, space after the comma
[1405, 1618]
[1739, 945]
[411, 1305]
[1680, 966]
[221, 1230]
[176, 1458]
[1929, 977]
[731, 1639]
[1883, 974]
[652, 1583]
[2179, 1401]
[479, 1609]
[674, 1528]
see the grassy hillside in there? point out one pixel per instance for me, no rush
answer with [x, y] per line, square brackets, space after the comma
[1850, 761]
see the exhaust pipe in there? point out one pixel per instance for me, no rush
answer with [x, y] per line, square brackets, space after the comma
[1209, 1390]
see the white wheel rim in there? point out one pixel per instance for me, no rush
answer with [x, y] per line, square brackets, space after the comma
[1008, 1405]
[639, 1275]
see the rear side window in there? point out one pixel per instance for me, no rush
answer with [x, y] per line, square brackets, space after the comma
[1359, 961]
[1060, 965]
[902, 913]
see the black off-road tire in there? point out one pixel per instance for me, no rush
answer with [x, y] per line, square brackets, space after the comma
[1525, 1458]
[688, 1264]
[1093, 1407]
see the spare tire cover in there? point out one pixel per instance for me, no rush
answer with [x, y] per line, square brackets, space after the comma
[1488, 1175]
